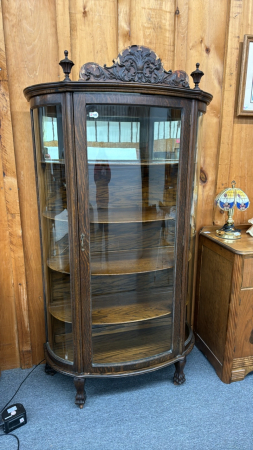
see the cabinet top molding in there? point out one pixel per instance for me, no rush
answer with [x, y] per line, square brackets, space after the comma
[135, 64]
[137, 69]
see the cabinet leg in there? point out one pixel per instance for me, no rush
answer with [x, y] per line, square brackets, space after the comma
[80, 391]
[49, 370]
[179, 377]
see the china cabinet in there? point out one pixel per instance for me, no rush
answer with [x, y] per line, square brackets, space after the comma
[116, 166]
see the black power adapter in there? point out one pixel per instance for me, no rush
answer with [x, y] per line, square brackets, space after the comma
[14, 416]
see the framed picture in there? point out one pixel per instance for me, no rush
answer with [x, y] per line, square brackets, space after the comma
[245, 99]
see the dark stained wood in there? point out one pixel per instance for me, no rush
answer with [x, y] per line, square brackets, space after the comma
[82, 186]
[71, 182]
[223, 315]
[179, 376]
[135, 64]
[50, 88]
[116, 283]
[80, 391]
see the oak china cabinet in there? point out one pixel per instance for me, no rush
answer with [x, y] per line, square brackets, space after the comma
[116, 159]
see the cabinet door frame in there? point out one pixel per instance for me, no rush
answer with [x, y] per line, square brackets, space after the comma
[65, 100]
[184, 193]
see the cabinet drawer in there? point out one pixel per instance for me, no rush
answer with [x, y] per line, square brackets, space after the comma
[247, 279]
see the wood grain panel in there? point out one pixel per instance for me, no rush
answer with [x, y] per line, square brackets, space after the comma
[231, 323]
[214, 296]
[241, 164]
[93, 31]
[124, 24]
[63, 31]
[231, 64]
[181, 35]
[244, 330]
[205, 45]
[15, 273]
[247, 279]
[152, 25]
[9, 351]
[32, 57]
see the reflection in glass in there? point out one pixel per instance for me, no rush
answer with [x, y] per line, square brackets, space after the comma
[54, 227]
[133, 155]
[193, 221]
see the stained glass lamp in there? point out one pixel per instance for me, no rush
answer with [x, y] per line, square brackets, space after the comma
[227, 200]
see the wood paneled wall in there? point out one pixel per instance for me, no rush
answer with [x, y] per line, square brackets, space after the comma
[33, 37]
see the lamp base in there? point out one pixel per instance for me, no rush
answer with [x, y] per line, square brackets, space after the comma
[228, 232]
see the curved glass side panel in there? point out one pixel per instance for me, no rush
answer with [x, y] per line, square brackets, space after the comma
[133, 157]
[50, 161]
[193, 221]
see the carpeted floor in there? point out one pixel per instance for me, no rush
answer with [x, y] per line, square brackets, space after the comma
[145, 412]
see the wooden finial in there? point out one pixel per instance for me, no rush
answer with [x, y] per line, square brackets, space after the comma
[66, 65]
[197, 75]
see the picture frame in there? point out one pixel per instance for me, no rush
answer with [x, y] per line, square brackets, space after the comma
[245, 97]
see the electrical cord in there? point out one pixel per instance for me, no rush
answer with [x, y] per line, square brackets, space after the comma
[1, 424]
[10, 434]
[22, 383]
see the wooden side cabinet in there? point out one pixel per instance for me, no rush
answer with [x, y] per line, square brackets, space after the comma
[223, 322]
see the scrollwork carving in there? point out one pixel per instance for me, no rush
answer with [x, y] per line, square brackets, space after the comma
[136, 64]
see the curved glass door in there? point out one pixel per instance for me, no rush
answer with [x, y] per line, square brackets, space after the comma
[133, 159]
[51, 180]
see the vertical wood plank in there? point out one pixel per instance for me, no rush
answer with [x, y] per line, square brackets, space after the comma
[152, 25]
[63, 31]
[205, 45]
[124, 28]
[15, 267]
[32, 57]
[181, 34]
[9, 350]
[228, 101]
[94, 30]
[241, 163]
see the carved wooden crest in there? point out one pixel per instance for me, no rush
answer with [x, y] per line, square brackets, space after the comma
[136, 64]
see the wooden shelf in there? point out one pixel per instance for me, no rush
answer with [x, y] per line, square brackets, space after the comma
[155, 162]
[133, 306]
[133, 261]
[59, 263]
[61, 310]
[119, 344]
[120, 216]
[122, 307]
[121, 262]
[54, 216]
[53, 161]
[128, 215]
[123, 343]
